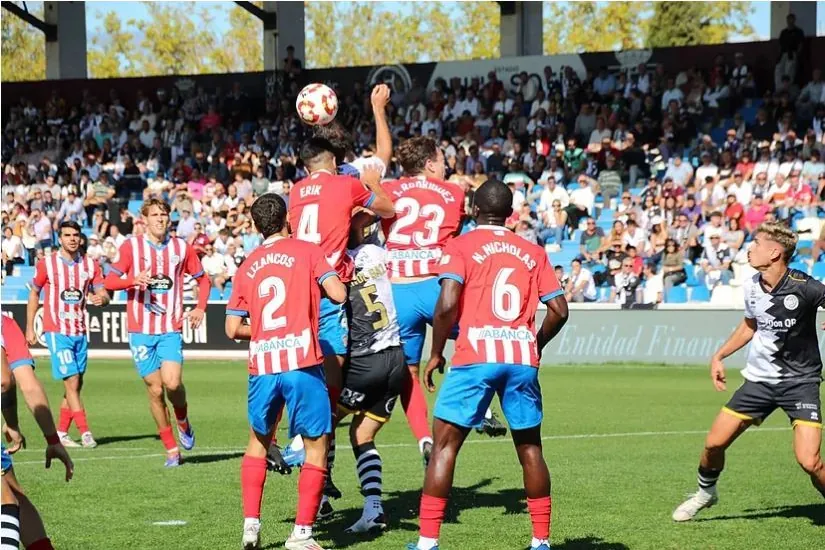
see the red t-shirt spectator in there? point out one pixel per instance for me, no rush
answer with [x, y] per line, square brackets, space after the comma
[199, 244]
[735, 211]
[210, 120]
[802, 194]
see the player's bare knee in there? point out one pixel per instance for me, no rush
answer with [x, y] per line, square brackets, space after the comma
[155, 391]
[811, 463]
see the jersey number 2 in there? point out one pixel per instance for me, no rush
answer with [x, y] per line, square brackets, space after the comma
[274, 289]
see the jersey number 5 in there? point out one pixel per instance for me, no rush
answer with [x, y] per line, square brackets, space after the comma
[375, 307]
[274, 287]
[506, 297]
[410, 210]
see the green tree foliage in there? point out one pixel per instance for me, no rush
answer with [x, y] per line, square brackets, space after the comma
[23, 47]
[369, 33]
[576, 27]
[693, 23]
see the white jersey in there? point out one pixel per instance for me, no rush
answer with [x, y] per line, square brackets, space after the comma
[374, 325]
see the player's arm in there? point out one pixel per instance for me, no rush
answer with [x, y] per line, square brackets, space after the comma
[40, 280]
[335, 290]
[194, 268]
[444, 318]
[120, 277]
[383, 138]
[234, 326]
[378, 200]
[741, 336]
[9, 396]
[237, 309]
[555, 318]
[98, 297]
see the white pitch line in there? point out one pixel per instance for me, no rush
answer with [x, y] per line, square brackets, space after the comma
[213, 450]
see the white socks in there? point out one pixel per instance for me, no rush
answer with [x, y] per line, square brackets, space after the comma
[538, 542]
[425, 543]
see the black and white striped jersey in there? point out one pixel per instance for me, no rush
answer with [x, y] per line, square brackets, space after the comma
[785, 346]
[374, 324]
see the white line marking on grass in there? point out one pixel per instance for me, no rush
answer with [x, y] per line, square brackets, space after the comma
[215, 450]
[169, 523]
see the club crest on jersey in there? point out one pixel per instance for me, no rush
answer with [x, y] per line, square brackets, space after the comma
[83, 276]
[791, 302]
[160, 284]
[71, 296]
[174, 259]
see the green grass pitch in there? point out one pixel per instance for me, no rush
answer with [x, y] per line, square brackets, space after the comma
[622, 443]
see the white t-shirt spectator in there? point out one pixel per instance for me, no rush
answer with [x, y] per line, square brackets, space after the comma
[518, 199]
[671, 95]
[534, 108]
[231, 266]
[147, 138]
[716, 194]
[681, 174]
[548, 196]
[214, 264]
[769, 167]
[213, 228]
[428, 125]
[72, 210]
[635, 239]
[186, 226]
[653, 288]
[42, 229]
[469, 105]
[596, 136]
[13, 247]
[586, 278]
[505, 106]
[583, 197]
[704, 171]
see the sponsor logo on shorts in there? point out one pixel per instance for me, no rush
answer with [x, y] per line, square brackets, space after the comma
[351, 399]
[807, 407]
[791, 302]
[389, 405]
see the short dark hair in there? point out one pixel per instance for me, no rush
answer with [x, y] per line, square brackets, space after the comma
[269, 214]
[69, 225]
[494, 198]
[340, 139]
[314, 148]
[414, 153]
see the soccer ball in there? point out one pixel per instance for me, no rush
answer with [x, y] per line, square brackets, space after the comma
[317, 104]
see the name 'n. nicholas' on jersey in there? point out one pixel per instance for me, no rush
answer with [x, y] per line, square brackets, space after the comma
[320, 210]
[504, 277]
[785, 346]
[65, 287]
[374, 324]
[278, 287]
[427, 215]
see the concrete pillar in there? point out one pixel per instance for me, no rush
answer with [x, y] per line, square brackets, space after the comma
[805, 17]
[290, 32]
[66, 56]
[521, 32]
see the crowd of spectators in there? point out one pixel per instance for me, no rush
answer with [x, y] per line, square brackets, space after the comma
[625, 163]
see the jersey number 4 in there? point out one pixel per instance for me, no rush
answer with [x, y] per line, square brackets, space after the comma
[308, 225]
[409, 210]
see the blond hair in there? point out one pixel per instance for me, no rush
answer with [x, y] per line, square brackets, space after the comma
[781, 235]
[149, 203]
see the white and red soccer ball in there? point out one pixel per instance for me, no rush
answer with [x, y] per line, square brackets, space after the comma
[317, 104]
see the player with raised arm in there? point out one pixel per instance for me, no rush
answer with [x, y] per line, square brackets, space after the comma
[783, 367]
[21, 520]
[320, 211]
[70, 281]
[278, 288]
[491, 283]
[376, 372]
[151, 270]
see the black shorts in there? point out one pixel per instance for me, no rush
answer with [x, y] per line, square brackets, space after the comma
[755, 401]
[373, 382]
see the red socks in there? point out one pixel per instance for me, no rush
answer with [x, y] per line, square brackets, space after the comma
[431, 515]
[79, 420]
[42, 544]
[253, 477]
[65, 420]
[310, 489]
[181, 417]
[540, 509]
[415, 407]
[168, 439]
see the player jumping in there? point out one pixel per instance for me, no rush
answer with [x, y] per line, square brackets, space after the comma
[70, 281]
[783, 368]
[491, 283]
[151, 270]
[21, 520]
[278, 287]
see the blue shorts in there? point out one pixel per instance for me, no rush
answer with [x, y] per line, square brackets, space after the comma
[69, 354]
[150, 350]
[415, 306]
[333, 328]
[467, 392]
[303, 391]
[6, 462]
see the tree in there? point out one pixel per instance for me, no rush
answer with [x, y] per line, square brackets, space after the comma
[367, 33]
[693, 23]
[23, 47]
[115, 53]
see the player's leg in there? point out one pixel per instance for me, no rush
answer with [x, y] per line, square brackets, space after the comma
[415, 304]
[81, 354]
[264, 401]
[61, 358]
[801, 403]
[160, 413]
[170, 354]
[32, 531]
[310, 417]
[519, 391]
[464, 396]
[369, 467]
[10, 512]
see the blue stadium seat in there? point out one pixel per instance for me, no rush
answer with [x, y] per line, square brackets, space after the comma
[214, 294]
[818, 271]
[23, 294]
[603, 294]
[607, 214]
[718, 135]
[227, 290]
[748, 114]
[573, 186]
[690, 270]
[677, 295]
[800, 266]
[700, 294]
[134, 206]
